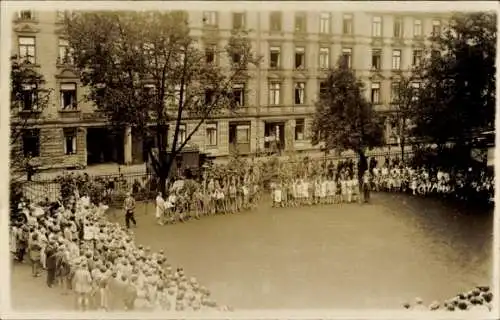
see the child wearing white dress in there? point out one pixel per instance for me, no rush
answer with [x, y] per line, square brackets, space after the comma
[277, 195]
[323, 192]
[305, 191]
[343, 189]
[349, 189]
[317, 191]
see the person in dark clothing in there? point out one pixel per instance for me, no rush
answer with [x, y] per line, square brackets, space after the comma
[30, 169]
[22, 244]
[366, 186]
[129, 206]
[51, 264]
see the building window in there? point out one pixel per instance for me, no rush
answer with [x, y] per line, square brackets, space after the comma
[435, 54]
[27, 49]
[415, 88]
[182, 133]
[210, 18]
[209, 97]
[395, 91]
[174, 99]
[242, 134]
[323, 89]
[417, 57]
[347, 24]
[274, 57]
[417, 28]
[396, 59]
[299, 92]
[376, 59]
[238, 20]
[69, 141]
[65, 52]
[236, 58]
[324, 58]
[26, 15]
[398, 28]
[324, 22]
[274, 93]
[377, 27]
[436, 28]
[68, 96]
[300, 58]
[31, 142]
[210, 54]
[375, 95]
[299, 129]
[275, 21]
[239, 95]
[211, 134]
[346, 57]
[300, 22]
[60, 15]
[149, 90]
[29, 96]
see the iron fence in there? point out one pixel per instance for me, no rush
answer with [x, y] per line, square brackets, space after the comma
[111, 189]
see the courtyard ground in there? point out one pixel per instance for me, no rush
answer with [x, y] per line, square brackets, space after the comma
[377, 255]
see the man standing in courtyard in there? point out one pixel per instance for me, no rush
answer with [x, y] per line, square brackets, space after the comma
[129, 206]
[366, 186]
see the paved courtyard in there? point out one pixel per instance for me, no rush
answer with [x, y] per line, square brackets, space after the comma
[344, 256]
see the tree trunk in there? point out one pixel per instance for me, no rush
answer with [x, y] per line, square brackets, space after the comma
[402, 145]
[362, 167]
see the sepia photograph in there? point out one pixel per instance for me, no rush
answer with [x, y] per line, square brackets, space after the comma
[224, 157]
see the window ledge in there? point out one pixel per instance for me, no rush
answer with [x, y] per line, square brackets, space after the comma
[210, 27]
[30, 65]
[27, 112]
[20, 20]
[64, 65]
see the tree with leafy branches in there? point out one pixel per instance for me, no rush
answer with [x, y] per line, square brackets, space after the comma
[344, 119]
[29, 98]
[458, 81]
[403, 109]
[146, 72]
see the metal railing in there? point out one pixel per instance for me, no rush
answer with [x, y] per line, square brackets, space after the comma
[107, 188]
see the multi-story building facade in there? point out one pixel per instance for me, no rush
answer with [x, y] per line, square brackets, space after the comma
[278, 100]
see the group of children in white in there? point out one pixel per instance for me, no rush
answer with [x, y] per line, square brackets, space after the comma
[322, 185]
[97, 260]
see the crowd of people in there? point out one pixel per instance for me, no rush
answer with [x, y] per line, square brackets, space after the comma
[98, 260]
[479, 298]
[81, 252]
[302, 183]
[461, 184]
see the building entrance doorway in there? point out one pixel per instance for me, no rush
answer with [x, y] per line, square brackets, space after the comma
[104, 146]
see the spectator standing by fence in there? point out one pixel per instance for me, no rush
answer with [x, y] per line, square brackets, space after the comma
[160, 208]
[129, 206]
